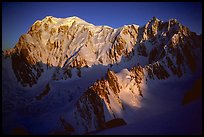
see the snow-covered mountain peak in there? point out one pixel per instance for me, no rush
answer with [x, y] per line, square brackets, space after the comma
[54, 22]
[86, 78]
[73, 43]
[77, 20]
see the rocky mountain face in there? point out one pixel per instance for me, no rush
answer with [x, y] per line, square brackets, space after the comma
[63, 45]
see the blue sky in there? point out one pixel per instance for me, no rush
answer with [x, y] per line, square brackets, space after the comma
[18, 17]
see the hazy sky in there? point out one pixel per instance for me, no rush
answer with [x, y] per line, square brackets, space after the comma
[18, 17]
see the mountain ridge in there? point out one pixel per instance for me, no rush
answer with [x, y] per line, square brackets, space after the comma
[150, 40]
